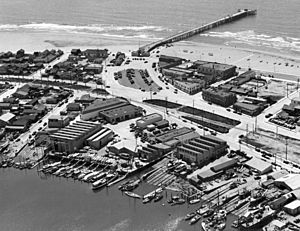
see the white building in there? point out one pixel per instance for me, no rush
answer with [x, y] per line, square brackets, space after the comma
[148, 119]
[101, 138]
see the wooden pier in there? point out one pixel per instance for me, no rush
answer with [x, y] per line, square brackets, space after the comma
[189, 33]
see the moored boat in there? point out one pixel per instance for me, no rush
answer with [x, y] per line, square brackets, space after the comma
[195, 219]
[133, 195]
[190, 215]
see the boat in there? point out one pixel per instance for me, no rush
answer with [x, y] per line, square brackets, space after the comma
[133, 195]
[203, 225]
[158, 197]
[99, 184]
[146, 200]
[111, 177]
[208, 213]
[195, 219]
[178, 202]
[194, 201]
[221, 226]
[190, 215]
[240, 204]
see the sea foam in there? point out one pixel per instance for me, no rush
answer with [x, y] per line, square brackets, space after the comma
[249, 37]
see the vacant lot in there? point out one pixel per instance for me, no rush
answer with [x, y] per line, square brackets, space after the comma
[273, 143]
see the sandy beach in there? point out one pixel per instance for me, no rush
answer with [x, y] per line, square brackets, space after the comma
[277, 64]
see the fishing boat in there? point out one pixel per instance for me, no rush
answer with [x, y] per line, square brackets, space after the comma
[158, 197]
[133, 195]
[195, 219]
[190, 215]
[111, 177]
[194, 201]
[131, 186]
[99, 184]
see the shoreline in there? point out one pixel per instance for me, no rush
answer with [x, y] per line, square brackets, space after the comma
[260, 60]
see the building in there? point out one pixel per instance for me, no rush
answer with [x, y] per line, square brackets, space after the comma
[248, 109]
[101, 105]
[101, 138]
[219, 97]
[169, 61]
[162, 124]
[259, 165]
[219, 70]
[173, 134]
[202, 150]
[121, 113]
[293, 208]
[93, 54]
[278, 203]
[6, 119]
[94, 69]
[148, 119]
[73, 107]
[189, 87]
[290, 182]
[85, 99]
[225, 165]
[153, 151]
[208, 175]
[73, 137]
[58, 121]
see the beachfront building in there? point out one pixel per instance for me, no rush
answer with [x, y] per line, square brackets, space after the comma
[169, 61]
[202, 150]
[73, 137]
[148, 119]
[219, 97]
[219, 70]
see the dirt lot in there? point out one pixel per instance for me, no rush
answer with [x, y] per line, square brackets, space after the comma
[276, 88]
[268, 141]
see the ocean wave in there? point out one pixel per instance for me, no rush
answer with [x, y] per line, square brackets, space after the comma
[94, 28]
[249, 37]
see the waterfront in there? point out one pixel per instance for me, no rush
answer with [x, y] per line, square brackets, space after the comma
[34, 202]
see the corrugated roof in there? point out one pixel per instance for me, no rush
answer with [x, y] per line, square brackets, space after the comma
[224, 165]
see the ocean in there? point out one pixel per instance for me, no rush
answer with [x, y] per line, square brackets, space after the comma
[69, 23]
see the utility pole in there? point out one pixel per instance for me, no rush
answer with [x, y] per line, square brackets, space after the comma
[193, 107]
[286, 145]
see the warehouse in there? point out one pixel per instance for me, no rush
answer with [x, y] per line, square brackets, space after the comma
[73, 137]
[57, 121]
[122, 113]
[202, 150]
[248, 109]
[225, 165]
[101, 105]
[219, 97]
[148, 119]
[101, 138]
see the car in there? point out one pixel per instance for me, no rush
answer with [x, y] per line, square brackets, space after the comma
[154, 93]
[40, 121]
[184, 121]
[18, 140]
[228, 109]
[40, 128]
[146, 62]
[210, 103]
[257, 178]
[45, 124]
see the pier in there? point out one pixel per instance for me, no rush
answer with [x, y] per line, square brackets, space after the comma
[189, 33]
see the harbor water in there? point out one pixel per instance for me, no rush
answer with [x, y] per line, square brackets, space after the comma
[32, 201]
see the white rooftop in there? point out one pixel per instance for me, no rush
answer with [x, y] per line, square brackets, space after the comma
[292, 181]
[7, 117]
[293, 205]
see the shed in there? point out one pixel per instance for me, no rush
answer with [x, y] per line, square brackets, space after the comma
[261, 166]
[224, 165]
[208, 175]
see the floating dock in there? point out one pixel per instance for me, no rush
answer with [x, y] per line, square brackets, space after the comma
[189, 33]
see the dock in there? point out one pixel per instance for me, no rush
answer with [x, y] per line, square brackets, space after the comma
[192, 32]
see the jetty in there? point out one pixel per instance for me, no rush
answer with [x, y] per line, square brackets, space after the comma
[144, 50]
